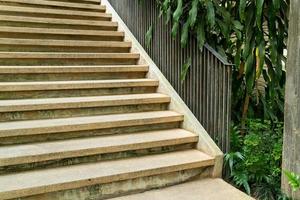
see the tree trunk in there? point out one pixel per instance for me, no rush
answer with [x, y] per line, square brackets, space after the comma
[291, 146]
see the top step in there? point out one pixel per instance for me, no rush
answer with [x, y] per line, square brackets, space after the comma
[54, 4]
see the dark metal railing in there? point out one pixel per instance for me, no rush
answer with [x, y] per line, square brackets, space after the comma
[207, 88]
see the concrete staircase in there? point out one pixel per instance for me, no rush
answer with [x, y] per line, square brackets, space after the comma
[80, 116]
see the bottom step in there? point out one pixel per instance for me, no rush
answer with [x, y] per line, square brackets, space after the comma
[206, 189]
[41, 182]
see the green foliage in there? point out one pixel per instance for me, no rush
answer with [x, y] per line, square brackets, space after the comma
[294, 180]
[148, 36]
[185, 69]
[251, 34]
[255, 163]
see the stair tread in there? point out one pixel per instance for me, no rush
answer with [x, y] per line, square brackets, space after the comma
[205, 189]
[58, 21]
[37, 152]
[68, 55]
[78, 84]
[57, 4]
[70, 43]
[54, 31]
[49, 180]
[53, 11]
[77, 102]
[84, 1]
[73, 69]
[31, 127]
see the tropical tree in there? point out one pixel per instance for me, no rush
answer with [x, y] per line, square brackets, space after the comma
[251, 34]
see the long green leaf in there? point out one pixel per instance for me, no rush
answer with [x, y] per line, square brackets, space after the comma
[242, 8]
[148, 36]
[224, 28]
[259, 10]
[176, 16]
[237, 57]
[200, 34]
[185, 33]
[250, 73]
[193, 13]
[185, 69]
[165, 4]
[238, 27]
[248, 45]
[175, 28]
[210, 13]
[276, 4]
[168, 15]
[178, 12]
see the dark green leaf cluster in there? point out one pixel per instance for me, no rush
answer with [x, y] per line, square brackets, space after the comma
[249, 33]
[255, 161]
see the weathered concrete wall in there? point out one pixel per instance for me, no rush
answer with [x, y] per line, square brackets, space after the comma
[291, 149]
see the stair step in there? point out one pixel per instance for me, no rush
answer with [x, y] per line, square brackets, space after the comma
[81, 102]
[63, 85]
[62, 34]
[63, 178]
[90, 90]
[54, 4]
[37, 22]
[39, 45]
[68, 73]
[38, 152]
[37, 127]
[93, 2]
[72, 69]
[53, 13]
[38, 55]
[45, 58]
[80, 106]
[206, 189]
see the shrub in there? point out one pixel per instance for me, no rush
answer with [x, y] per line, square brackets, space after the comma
[254, 164]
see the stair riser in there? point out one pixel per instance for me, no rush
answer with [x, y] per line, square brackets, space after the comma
[27, 4]
[75, 93]
[90, 133]
[60, 36]
[57, 16]
[69, 61]
[96, 158]
[70, 76]
[76, 49]
[120, 188]
[83, 111]
[56, 26]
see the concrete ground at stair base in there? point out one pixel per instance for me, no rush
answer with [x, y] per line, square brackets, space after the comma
[206, 189]
[119, 188]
